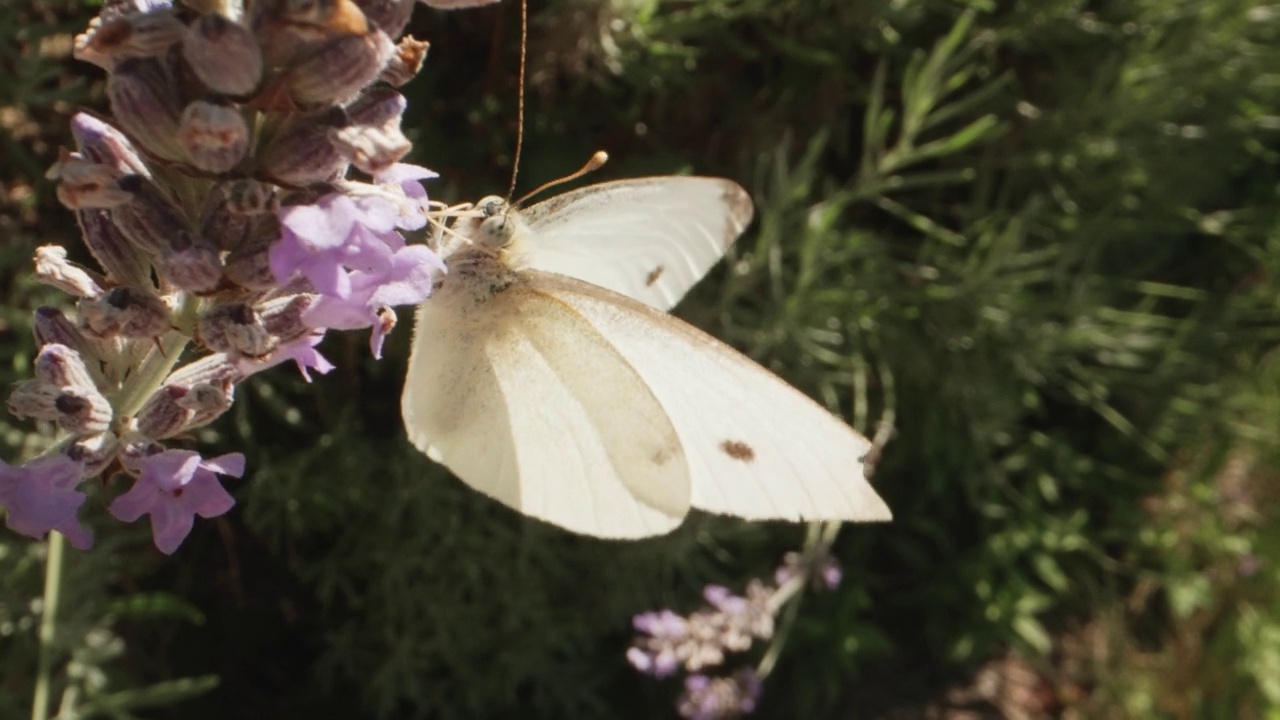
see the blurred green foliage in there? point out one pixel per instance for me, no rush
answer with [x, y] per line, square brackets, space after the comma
[1042, 235]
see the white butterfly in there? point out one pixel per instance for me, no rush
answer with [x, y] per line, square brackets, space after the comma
[545, 374]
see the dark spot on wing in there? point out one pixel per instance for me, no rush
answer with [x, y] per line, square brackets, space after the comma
[662, 455]
[738, 450]
[653, 276]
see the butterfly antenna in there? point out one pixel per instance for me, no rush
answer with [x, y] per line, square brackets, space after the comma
[524, 41]
[599, 158]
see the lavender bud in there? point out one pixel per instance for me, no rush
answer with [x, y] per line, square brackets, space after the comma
[127, 312]
[60, 366]
[33, 399]
[374, 141]
[278, 41]
[233, 9]
[161, 416]
[150, 219]
[112, 249]
[95, 451]
[371, 149]
[135, 35]
[223, 54]
[190, 263]
[282, 317]
[249, 265]
[83, 411]
[707, 698]
[377, 107]
[102, 143]
[84, 184]
[340, 67]
[407, 61]
[209, 370]
[135, 447]
[85, 47]
[223, 224]
[207, 402]
[237, 330]
[215, 136]
[758, 611]
[318, 19]
[51, 326]
[821, 569]
[302, 154]
[251, 197]
[145, 104]
[53, 268]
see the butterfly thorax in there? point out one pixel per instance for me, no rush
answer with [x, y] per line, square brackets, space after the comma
[488, 251]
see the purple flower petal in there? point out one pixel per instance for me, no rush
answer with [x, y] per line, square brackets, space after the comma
[39, 497]
[290, 255]
[408, 178]
[411, 278]
[173, 487]
[707, 698]
[724, 601]
[325, 225]
[377, 214]
[230, 464]
[408, 281]
[400, 173]
[302, 351]
[328, 241]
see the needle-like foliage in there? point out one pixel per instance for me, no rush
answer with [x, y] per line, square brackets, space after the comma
[1043, 238]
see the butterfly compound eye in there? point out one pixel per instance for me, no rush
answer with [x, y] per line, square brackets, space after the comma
[492, 206]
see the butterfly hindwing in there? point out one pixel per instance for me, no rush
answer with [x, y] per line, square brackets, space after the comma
[757, 447]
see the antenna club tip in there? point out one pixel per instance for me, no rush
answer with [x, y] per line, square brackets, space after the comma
[599, 158]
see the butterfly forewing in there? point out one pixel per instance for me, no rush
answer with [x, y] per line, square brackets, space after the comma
[650, 239]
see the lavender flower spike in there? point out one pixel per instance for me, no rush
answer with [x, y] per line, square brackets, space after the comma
[708, 698]
[659, 656]
[247, 273]
[727, 624]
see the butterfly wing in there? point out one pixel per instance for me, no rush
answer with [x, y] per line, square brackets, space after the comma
[650, 239]
[526, 402]
[757, 448]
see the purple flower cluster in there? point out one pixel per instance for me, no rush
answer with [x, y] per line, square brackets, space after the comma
[728, 624]
[218, 204]
[717, 698]
[669, 642]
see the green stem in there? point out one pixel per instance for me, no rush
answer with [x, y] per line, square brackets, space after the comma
[785, 594]
[818, 539]
[48, 626]
[146, 379]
